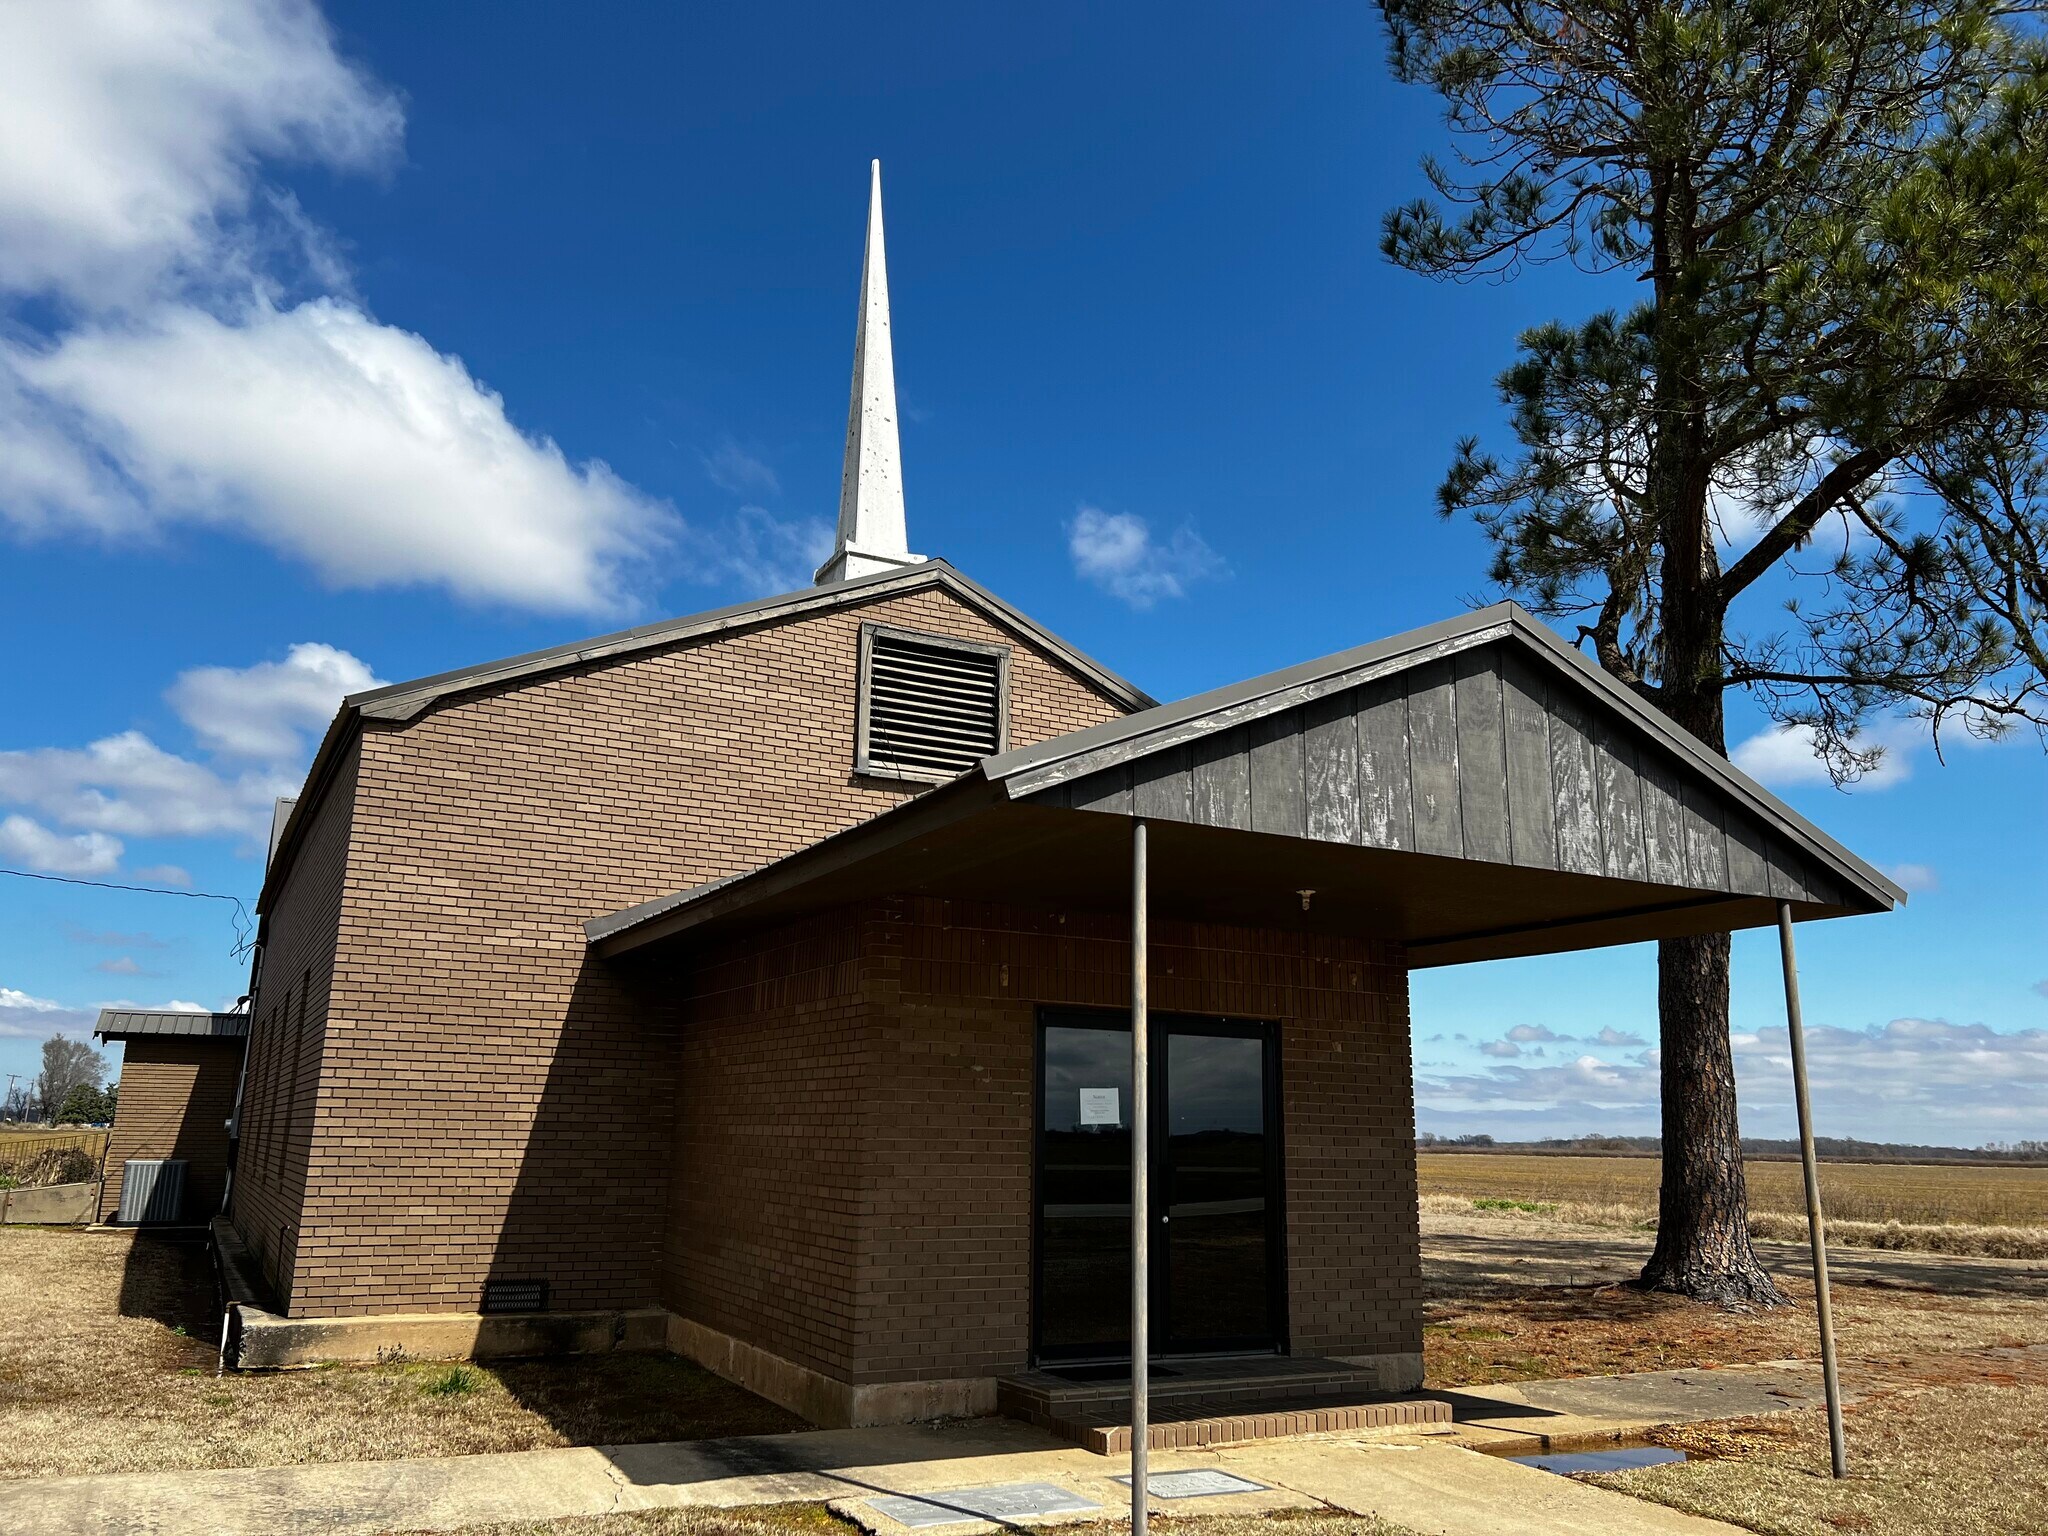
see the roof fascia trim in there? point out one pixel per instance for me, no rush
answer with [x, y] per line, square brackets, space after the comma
[404, 701]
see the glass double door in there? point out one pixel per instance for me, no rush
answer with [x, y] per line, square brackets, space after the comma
[1216, 1265]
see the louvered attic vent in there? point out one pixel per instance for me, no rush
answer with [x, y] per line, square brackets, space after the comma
[930, 707]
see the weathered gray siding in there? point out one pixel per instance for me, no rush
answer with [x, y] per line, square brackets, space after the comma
[1478, 756]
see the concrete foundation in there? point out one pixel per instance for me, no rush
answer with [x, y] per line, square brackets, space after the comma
[825, 1400]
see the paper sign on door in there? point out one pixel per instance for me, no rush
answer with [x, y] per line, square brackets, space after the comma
[1099, 1106]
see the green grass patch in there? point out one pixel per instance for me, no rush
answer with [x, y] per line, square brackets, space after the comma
[456, 1381]
[1496, 1203]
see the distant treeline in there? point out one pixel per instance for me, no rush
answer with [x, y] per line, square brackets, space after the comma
[1835, 1148]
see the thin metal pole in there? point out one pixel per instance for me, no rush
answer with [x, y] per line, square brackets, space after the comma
[1816, 1233]
[1141, 1320]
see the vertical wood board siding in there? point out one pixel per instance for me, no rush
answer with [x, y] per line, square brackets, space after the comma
[1481, 756]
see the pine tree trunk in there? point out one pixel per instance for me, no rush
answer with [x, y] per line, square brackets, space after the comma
[1703, 1248]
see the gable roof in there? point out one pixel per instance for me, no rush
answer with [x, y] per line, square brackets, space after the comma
[1576, 813]
[399, 702]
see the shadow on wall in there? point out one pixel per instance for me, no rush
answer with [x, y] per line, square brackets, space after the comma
[583, 1225]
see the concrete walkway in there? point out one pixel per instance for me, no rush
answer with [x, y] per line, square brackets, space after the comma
[1428, 1482]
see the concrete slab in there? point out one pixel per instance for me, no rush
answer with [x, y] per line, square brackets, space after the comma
[1433, 1489]
[1525, 1417]
[1441, 1490]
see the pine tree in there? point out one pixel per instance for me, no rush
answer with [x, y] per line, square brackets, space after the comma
[1836, 215]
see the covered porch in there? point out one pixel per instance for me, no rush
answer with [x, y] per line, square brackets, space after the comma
[945, 994]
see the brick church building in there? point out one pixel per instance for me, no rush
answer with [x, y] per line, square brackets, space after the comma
[757, 984]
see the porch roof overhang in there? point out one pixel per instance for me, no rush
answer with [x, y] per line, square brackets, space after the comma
[1475, 789]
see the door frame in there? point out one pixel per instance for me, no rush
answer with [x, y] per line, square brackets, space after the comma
[1162, 1025]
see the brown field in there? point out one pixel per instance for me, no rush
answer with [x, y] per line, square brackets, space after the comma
[1914, 1193]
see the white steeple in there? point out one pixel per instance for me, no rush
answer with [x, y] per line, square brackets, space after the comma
[871, 533]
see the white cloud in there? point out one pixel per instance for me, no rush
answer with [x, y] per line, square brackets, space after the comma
[128, 786]
[1500, 1048]
[26, 841]
[1914, 1080]
[164, 874]
[1116, 551]
[352, 446]
[1610, 1036]
[1783, 756]
[26, 1017]
[181, 389]
[263, 711]
[1527, 1032]
[120, 965]
[136, 128]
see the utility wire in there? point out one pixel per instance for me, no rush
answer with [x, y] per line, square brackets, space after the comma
[242, 923]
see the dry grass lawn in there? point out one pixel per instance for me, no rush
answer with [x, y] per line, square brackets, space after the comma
[1547, 1331]
[109, 1368]
[1945, 1462]
[816, 1520]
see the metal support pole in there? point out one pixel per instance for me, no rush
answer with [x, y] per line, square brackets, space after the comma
[1141, 1322]
[1816, 1233]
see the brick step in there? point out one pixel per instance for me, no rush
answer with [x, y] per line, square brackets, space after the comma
[1215, 1402]
[1267, 1422]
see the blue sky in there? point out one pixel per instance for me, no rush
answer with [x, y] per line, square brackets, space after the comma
[361, 343]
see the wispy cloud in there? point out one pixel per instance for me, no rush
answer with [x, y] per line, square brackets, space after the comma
[732, 468]
[1118, 553]
[1917, 878]
[1906, 1080]
[1500, 1048]
[761, 553]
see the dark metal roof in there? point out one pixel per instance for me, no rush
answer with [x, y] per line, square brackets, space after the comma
[405, 701]
[401, 701]
[1007, 830]
[157, 1023]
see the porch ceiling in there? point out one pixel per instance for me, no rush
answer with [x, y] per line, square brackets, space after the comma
[997, 850]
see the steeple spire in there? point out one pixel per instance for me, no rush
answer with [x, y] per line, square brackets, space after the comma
[871, 533]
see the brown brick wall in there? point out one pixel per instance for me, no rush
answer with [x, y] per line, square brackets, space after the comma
[855, 1192]
[288, 1034]
[176, 1096]
[766, 1208]
[492, 1103]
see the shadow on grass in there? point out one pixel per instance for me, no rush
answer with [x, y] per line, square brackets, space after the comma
[168, 1279]
[633, 1398]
